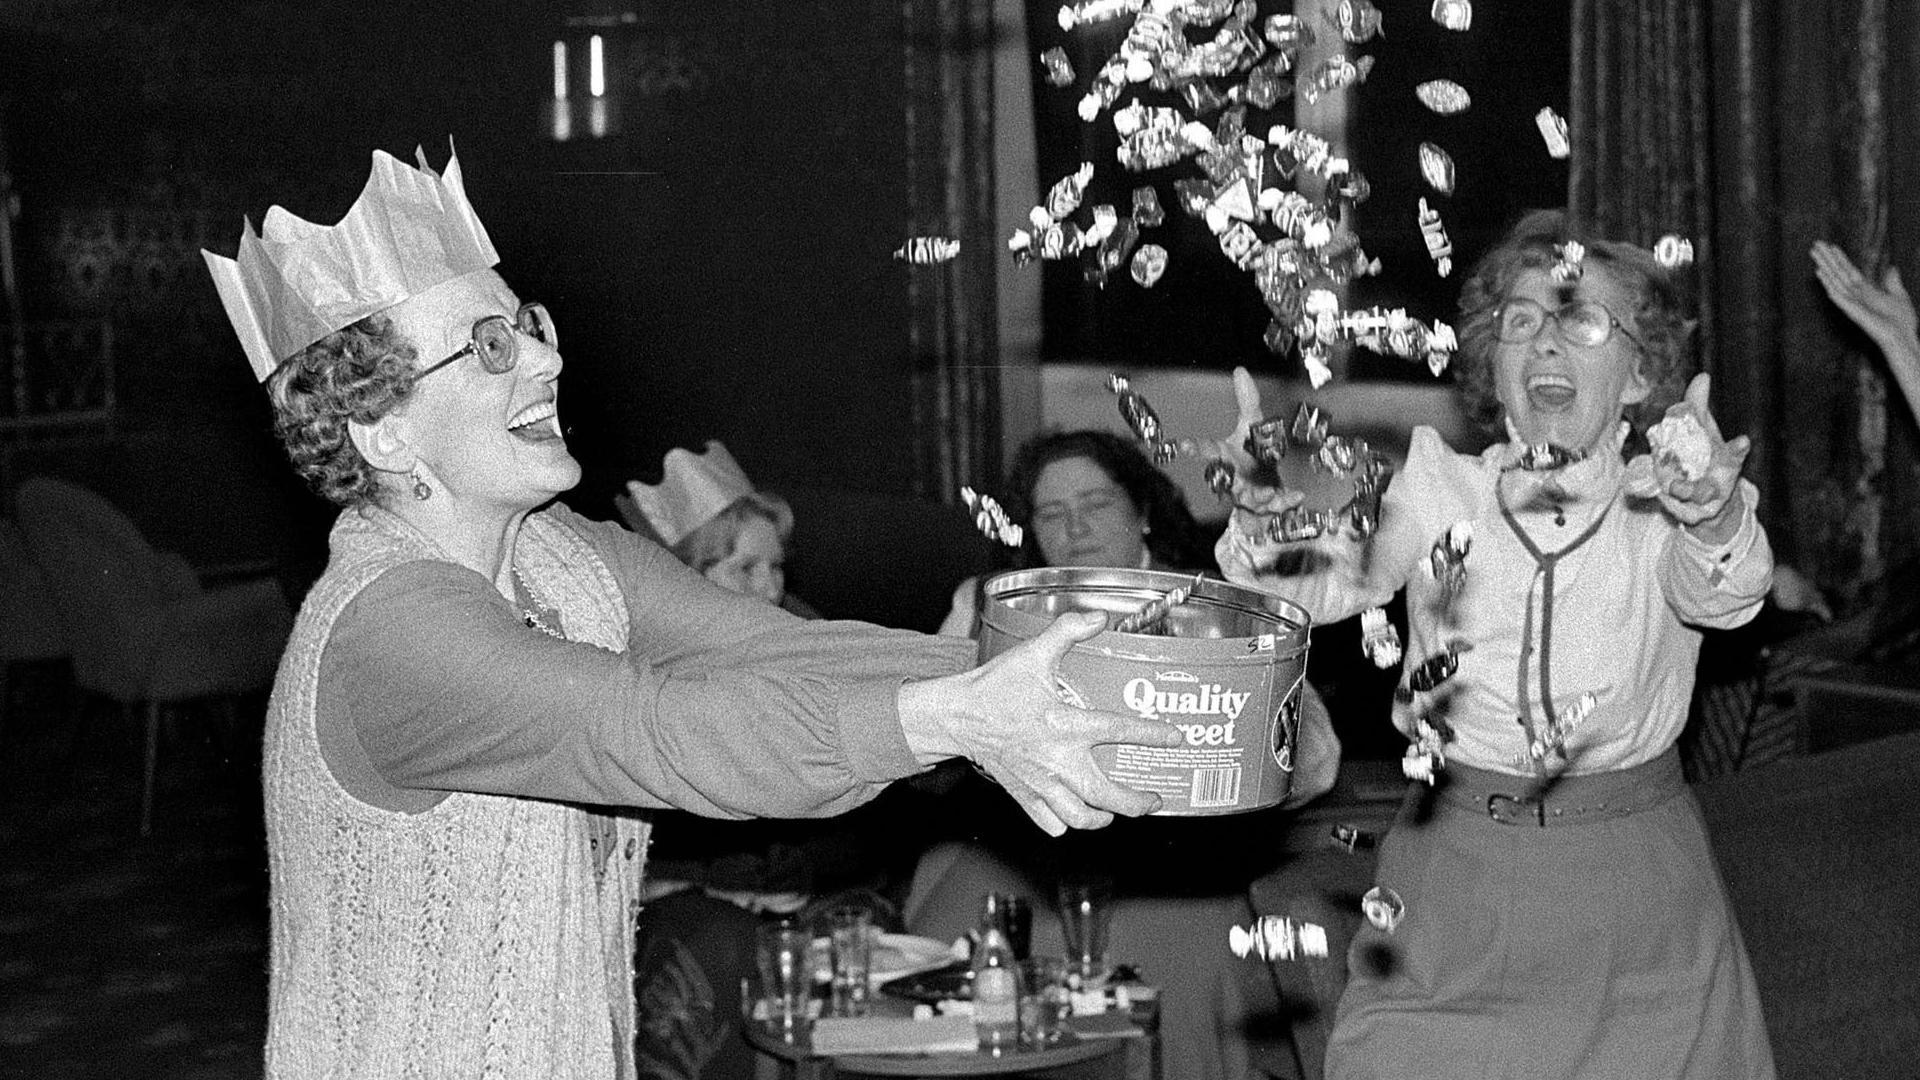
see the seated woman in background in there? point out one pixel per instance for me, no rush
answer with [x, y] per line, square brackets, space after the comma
[1091, 498]
[711, 517]
[710, 881]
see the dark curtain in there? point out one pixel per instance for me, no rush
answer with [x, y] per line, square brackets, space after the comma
[1755, 127]
[953, 338]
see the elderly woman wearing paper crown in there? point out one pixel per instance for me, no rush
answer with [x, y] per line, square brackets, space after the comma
[706, 511]
[477, 671]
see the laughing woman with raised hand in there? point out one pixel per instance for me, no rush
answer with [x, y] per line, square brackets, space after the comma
[1560, 913]
[481, 677]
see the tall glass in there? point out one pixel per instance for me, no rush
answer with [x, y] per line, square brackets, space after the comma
[786, 979]
[1086, 908]
[852, 945]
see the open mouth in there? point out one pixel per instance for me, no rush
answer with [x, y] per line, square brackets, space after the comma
[1550, 392]
[539, 422]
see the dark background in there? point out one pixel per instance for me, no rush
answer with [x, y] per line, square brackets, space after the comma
[718, 265]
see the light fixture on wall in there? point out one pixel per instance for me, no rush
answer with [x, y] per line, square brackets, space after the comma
[593, 38]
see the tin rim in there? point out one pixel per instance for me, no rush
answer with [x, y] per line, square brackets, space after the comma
[1288, 620]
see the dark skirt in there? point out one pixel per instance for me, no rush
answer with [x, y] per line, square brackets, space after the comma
[1583, 935]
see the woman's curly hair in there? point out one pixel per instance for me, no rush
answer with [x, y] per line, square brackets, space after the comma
[1173, 537]
[1659, 319]
[360, 373]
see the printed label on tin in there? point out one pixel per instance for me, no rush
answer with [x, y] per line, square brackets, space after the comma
[1226, 711]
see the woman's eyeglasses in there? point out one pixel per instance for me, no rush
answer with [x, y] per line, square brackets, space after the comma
[1583, 322]
[496, 342]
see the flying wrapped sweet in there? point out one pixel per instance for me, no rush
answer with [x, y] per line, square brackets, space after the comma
[1426, 755]
[1150, 138]
[927, 250]
[1148, 264]
[1551, 738]
[1142, 420]
[1287, 33]
[1240, 244]
[1059, 69]
[1448, 559]
[1357, 20]
[1383, 908]
[1274, 937]
[1444, 96]
[1572, 255]
[1544, 457]
[1113, 250]
[1267, 85]
[1294, 150]
[1347, 186]
[1553, 129]
[1437, 668]
[1105, 90]
[1146, 207]
[1673, 251]
[1439, 248]
[1453, 14]
[1020, 245]
[1336, 72]
[991, 519]
[1065, 196]
[1379, 639]
[1436, 168]
[1093, 11]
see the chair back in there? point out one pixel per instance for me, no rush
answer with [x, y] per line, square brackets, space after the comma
[30, 626]
[111, 585]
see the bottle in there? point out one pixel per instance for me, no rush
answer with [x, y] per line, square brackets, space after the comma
[996, 979]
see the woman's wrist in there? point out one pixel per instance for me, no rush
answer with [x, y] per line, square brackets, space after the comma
[1722, 526]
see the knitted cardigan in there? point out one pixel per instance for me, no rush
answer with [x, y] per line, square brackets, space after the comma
[485, 937]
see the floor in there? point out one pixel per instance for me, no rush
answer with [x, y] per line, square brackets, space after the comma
[125, 956]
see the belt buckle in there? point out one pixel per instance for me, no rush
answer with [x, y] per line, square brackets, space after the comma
[1517, 810]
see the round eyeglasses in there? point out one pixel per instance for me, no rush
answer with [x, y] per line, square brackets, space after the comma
[1582, 322]
[496, 343]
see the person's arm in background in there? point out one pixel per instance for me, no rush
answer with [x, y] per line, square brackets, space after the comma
[1884, 311]
[962, 616]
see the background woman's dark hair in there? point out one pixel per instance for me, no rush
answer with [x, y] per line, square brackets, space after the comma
[1174, 537]
[362, 373]
[1660, 321]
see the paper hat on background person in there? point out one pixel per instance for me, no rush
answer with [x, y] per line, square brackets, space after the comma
[296, 282]
[691, 492]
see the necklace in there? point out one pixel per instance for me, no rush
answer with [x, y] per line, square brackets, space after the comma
[534, 605]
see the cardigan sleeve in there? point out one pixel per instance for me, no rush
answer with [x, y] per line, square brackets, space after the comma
[722, 705]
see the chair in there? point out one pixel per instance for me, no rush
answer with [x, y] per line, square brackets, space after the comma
[30, 629]
[142, 629]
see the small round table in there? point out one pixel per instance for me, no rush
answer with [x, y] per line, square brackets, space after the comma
[1075, 1051]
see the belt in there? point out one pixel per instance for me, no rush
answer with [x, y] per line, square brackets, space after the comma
[1563, 800]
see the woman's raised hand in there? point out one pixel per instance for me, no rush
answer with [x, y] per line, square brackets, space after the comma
[1884, 311]
[1708, 502]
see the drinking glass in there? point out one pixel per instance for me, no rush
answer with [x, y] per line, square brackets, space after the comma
[1045, 1000]
[786, 979]
[852, 947]
[1086, 908]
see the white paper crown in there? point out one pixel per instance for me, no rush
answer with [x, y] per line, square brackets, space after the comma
[693, 490]
[296, 282]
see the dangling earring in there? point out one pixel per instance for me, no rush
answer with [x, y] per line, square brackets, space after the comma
[420, 489]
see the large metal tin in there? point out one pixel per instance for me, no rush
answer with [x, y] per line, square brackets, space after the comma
[1229, 675]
